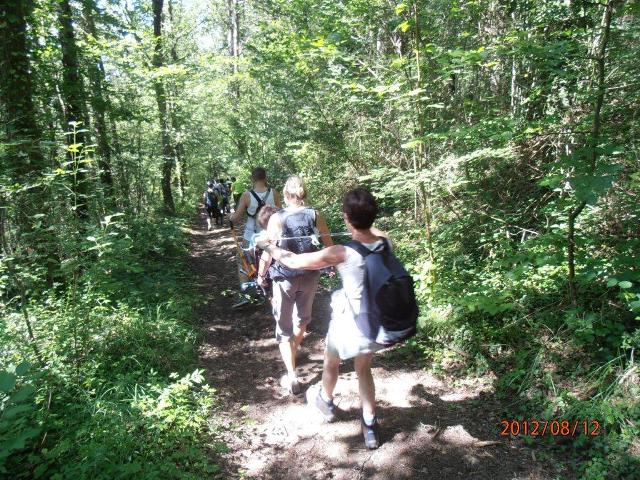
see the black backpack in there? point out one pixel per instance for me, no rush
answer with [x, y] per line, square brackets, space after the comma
[388, 308]
[211, 200]
[298, 227]
[261, 202]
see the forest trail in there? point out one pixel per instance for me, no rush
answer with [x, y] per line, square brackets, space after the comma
[430, 428]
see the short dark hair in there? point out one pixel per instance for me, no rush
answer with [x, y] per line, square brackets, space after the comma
[265, 214]
[233, 179]
[258, 174]
[360, 207]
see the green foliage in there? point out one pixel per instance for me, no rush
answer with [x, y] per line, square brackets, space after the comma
[17, 412]
[119, 396]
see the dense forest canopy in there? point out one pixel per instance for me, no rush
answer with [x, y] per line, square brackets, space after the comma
[500, 136]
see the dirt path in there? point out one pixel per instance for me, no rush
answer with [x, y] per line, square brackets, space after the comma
[430, 429]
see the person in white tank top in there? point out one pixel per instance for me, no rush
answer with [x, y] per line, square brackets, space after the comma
[344, 339]
[248, 205]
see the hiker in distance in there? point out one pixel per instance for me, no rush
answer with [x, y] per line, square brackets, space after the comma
[236, 191]
[352, 310]
[250, 203]
[294, 290]
[211, 200]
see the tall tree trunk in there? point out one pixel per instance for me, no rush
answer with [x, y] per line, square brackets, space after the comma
[23, 154]
[421, 155]
[233, 41]
[161, 98]
[73, 96]
[599, 56]
[233, 34]
[181, 166]
[123, 174]
[98, 101]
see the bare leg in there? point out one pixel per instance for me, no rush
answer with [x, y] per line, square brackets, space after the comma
[330, 374]
[288, 353]
[298, 333]
[365, 383]
[288, 350]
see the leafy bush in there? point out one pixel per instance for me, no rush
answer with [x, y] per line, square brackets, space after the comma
[115, 394]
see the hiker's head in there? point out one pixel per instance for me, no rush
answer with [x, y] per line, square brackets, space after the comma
[359, 208]
[210, 184]
[295, 193]
[233, 179]
[259, 174]
[265, 214]
[220, 180]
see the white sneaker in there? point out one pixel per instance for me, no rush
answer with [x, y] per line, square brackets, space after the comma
[291, 385]
[316, 402]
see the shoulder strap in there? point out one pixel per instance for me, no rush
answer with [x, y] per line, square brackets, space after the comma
[257, 197]
[364, 251]
[358, 247]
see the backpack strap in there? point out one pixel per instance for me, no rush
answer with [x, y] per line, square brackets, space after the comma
[257, 197]
[261, 202]
[364, 251]
[358, 247]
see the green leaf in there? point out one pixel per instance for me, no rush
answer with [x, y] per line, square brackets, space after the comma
[551, 181]
[23, 394]
[7, 381]
[22, 368]
[13, 412]
[625, 284]
[404, 26]
[411, 144]
[612, 282]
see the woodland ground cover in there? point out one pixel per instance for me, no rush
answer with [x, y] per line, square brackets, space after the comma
[106, 387]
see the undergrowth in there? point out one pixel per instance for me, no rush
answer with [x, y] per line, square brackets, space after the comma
[507, 315]
[493, 287]
[107, 388]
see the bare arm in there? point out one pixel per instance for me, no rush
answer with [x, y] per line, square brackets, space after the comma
[325, 235]
[328, 257]
[273, 233]
[263, 267]
[243, 204]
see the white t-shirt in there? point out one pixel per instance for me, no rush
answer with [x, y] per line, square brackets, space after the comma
[344, 338]
[252, 227]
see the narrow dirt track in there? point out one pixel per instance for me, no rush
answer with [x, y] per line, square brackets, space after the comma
[430, 428]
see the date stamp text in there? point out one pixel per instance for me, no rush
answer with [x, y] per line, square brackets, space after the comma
[552, 428]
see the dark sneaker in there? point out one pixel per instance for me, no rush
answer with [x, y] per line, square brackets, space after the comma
[327, 410]
[290, 385]
[370, 434]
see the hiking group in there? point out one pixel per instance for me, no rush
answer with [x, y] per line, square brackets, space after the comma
[216, 200]
[375, 307]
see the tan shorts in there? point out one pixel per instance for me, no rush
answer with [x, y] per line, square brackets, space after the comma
[292, 303]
